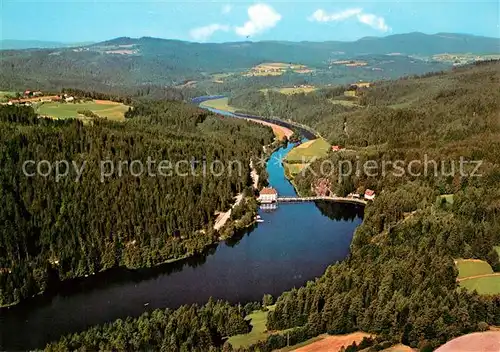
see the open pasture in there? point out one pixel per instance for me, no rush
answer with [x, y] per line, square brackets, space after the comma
[472, 267]
[219, 104]
[298, 90]
[484, 285]
[258, 321]
[317, 148]
[103, 108]
[477, 275]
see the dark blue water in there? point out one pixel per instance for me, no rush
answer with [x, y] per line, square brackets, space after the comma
[294, 244]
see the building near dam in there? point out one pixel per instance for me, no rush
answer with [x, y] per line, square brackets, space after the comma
[268, 195]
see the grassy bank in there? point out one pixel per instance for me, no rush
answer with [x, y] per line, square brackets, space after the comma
[220, 104]
[308, 151]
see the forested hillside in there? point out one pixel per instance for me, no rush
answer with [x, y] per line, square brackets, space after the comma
[56, 229]
[399, 282]
[400, 279]
[188, 328]
[128, 62]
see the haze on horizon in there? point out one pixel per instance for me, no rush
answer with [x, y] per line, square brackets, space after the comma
[228, 21]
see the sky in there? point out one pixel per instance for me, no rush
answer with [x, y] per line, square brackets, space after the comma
[72, 21]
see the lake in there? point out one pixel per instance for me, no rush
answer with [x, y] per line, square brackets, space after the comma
[295, 243]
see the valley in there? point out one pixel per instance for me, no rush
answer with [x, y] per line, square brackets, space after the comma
[250, 195]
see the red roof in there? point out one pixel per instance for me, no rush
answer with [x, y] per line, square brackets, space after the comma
[268, 190]
[369, 192]
[335, 147]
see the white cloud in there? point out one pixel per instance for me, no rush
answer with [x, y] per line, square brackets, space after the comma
[369, 19]
[373, 21]
[226, 9]
[260, 18]
[203, 33]
[321, 16]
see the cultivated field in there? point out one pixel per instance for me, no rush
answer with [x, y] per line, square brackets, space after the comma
[298, 90]
[399, 348]
[276, 69]
[488, 341]
[103, 108]
[317, 148]
[330, 343]
[474, 274]
[344, 102]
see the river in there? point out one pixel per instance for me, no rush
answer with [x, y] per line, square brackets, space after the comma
[294, 244]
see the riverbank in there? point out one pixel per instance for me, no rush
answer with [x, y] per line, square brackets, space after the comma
[239, 269]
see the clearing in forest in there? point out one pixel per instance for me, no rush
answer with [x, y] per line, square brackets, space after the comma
[258, 321]
[472, 267]
[477, 275]
[333, 343]
[317, 148]
[219, 104]
[298, 90]
[294, 169]
[276, 69]
[103, 108]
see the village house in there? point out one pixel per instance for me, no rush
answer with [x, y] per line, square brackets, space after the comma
[336, 148]
[369, 194]
[322, 187]
[69, 99]
[268, 195]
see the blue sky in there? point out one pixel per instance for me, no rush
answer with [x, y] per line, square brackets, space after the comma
[219, 21]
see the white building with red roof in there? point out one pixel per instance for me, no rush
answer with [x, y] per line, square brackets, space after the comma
[268, 195]
[369, 194]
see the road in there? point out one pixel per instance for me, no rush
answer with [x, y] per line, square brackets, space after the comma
[224, 217]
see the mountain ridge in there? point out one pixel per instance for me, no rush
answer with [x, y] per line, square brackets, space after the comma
[125, 61]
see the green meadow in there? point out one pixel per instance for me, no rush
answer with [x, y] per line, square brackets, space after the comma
[111, 110]
[220, 104]
[4, 96]
[317, 148]
[258, 321]
[477, 275]
[467, 268]
[485, 285]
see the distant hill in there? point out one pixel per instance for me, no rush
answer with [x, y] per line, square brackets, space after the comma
[152, 61]
[9, 44]
[424, 44]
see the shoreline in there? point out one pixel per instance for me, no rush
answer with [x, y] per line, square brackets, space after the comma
[50, 292]
[218, 240]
